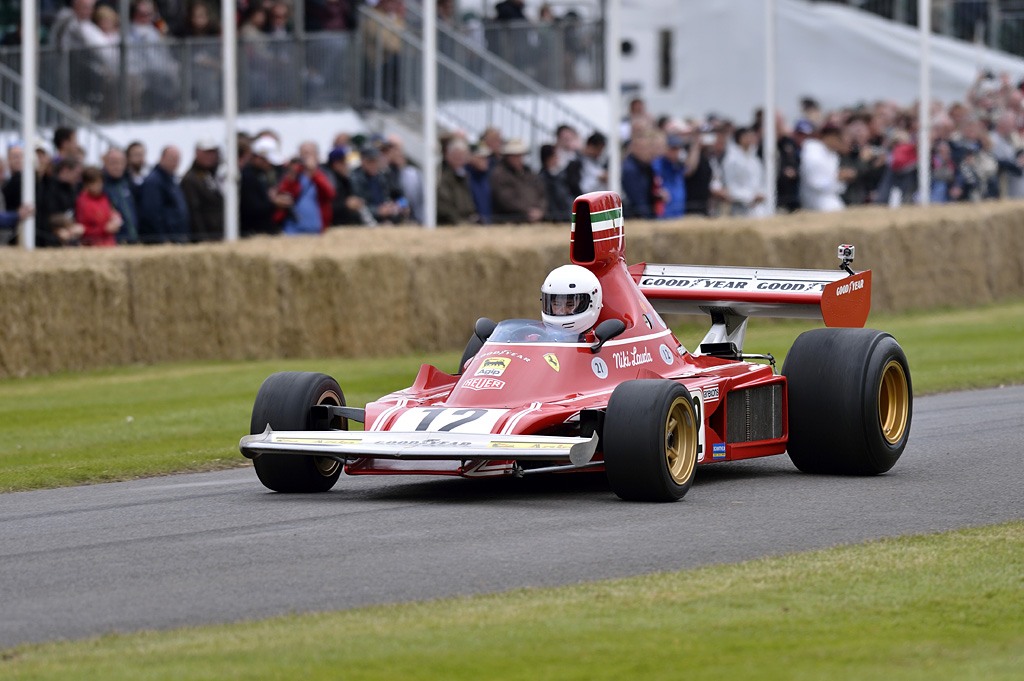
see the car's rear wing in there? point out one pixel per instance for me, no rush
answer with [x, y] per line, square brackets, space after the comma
[732, 294]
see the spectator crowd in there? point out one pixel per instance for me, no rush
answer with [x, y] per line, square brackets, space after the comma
[671, 168]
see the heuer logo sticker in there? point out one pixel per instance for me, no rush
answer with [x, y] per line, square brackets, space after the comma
[711, 393]
[666, 354]
[484, 384]
[493, 366]
[599, 367]
[718, 451]
[551, 360]
[631, 358]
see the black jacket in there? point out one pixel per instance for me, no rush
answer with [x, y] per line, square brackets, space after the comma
[163, 213]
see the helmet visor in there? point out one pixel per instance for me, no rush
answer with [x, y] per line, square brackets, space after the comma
[565, 304]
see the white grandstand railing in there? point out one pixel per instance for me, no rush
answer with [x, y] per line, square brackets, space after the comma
[52, 114]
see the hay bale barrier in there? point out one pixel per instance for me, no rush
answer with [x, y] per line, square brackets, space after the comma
[379, 292]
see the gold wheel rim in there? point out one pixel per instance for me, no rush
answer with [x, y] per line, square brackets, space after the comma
[680, 441]
[893, 402]
[324, 465]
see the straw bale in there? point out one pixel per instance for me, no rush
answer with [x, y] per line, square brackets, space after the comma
[66, 318]
[374, 292]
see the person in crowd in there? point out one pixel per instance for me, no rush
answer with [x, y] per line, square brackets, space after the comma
[163, 211]
[382, 44]
[205, 66]
[109, 24]
[347, 208]
[61, 198]
[787, 181]
[704, 188]
[556, 186]
[588, 172]
[135, 155]
[152, 69]
[479, 170]
[567, 146]
[821, 181]
[11, 219]
[671, 169]
[331, 15]
[121, 193]
[312, 194]
[517, 193]
[259, 199]
[455, 205]
[510, 10]
[494, 141]
[15, 162]
[867, 161]
[65, 142]
[640, 190]
[378, 188]
[203, 194]
[743, 175]
[408, 176]
[93, 211]
[1008, 150]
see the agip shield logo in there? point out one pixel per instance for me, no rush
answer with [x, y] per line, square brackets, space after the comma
[493, 366]
[551, 360]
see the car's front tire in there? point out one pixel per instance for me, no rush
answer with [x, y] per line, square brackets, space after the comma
[283, 403]
[650, 440]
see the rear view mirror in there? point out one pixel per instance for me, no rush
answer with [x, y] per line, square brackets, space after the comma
[605, 331]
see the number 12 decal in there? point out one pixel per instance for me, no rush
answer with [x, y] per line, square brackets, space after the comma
[446, 420]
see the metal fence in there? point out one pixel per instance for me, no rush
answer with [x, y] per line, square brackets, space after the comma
[185, 77]
[567, 55]
[996, 23]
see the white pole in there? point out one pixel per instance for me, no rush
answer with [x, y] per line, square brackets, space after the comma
[924, 150]
[430, 114]
[29, 84]
[229, 55]
[768, 138]
[613, 92]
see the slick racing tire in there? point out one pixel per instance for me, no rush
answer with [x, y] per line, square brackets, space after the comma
[850, 401]
[650, 440]
[283, 403]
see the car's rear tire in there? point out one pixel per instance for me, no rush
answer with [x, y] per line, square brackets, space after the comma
[850, 401]
[283, 403]
[650, 440]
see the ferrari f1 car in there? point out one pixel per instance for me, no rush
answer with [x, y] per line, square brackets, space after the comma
[623, 394]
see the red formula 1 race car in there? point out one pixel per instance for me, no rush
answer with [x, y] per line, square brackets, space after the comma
[602, 383]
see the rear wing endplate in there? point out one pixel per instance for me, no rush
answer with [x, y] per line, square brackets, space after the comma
[833, 296]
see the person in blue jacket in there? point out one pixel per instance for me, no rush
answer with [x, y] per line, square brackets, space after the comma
[163, 213]
[673, 178]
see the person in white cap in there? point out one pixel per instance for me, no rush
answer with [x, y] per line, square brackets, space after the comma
[203, 192]
[258, 195]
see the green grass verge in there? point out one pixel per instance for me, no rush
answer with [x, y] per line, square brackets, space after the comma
[121, 423]
[943, 606]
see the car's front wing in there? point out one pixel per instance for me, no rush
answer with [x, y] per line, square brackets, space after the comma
[345, 445]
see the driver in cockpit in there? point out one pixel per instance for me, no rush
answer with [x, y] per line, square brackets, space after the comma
[571, 298]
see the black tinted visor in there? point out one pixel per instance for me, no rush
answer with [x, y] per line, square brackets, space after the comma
[565, 304]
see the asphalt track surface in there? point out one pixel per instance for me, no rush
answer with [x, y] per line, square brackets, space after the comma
[217, 547]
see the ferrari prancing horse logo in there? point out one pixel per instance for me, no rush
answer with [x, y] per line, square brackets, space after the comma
[551, 360]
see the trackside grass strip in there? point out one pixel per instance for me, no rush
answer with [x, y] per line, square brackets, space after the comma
[137, 421]
[943, 606]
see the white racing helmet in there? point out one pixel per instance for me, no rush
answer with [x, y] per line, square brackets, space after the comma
[571, 298]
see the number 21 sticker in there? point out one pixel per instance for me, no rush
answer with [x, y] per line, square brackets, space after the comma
[599, 367]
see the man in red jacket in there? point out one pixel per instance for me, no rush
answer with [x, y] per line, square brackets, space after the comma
[312, 192]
